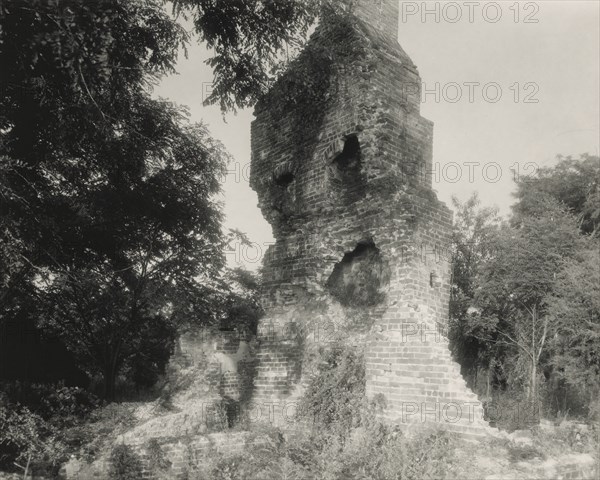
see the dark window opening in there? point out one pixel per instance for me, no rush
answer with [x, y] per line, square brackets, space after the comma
[350, 156]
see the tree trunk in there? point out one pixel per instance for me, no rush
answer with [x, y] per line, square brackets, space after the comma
[109, 383]
[533, 393]
[533, 359]
[533, 380]
[110, 377]
[111, 368]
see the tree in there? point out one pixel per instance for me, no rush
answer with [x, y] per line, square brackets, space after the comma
[15, 273]
[515, 284]
[111, 200]
[242, 309]
[141, 246]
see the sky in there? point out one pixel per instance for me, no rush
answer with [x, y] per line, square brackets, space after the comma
[508, 85]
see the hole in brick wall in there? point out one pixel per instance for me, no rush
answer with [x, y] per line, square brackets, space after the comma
[358, 279]
[434, 280]
[285, 179]
[282, 193]
[350, 156]
[348, 183]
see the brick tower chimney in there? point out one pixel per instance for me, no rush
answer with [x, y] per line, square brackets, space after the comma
[342, 169]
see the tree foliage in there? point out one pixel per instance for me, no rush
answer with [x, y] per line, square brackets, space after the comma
[574, 308]
[252, 41]
[109, 195]
[523, 302]
[27, 440]
[575, 182]
[514, 285]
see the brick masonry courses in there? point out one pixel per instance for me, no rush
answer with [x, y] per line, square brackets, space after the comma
[322, 211]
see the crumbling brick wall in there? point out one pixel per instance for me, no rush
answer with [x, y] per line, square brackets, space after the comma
[344, 177]
[227, 357]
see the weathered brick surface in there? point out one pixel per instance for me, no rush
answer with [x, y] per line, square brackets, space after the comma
[323, 211]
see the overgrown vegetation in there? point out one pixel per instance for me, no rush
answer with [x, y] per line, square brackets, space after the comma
[304, 456]
[125, 464]
[525, 319]
[337, 436]
[335, 398]
[29, 442]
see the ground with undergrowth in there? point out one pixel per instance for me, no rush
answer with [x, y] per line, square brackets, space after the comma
[337, 434]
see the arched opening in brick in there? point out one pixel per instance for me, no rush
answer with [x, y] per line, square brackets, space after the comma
[347, 180]
[360, 277]
[350, 156]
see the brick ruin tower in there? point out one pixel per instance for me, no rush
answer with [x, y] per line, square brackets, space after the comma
[341, 163]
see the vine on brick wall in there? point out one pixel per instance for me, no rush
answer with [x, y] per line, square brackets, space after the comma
[335, 399]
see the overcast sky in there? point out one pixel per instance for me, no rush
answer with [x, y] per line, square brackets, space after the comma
[510, 85]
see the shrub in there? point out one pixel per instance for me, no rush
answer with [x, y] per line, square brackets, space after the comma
[594, 412]
[335, 397]
[567, 436]
[386, 453]
[125, 464]
[159, 462]
[28, 440]
[88, 439]
[268, 456]
[374, 452]
[510, 410]
[56, 403]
